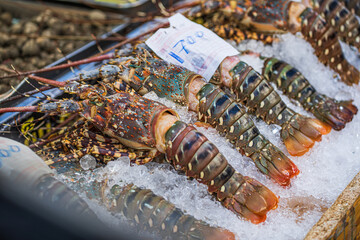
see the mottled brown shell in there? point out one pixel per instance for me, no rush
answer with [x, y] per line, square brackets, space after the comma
[129, 118]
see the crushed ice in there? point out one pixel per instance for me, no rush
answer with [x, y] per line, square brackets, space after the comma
[325, 170]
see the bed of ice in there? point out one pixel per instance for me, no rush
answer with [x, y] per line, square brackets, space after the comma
[325, 170]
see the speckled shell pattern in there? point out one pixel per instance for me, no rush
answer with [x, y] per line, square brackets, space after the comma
[325, 41]
[296, 86]
[258, 95]
[268, 12]
[272, 13]
[165, 79]
[127, 116]
[341, 18]
[153, 213]
[61, 106]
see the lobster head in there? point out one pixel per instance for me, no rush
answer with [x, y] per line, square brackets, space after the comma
[165, 79]
[128, 118]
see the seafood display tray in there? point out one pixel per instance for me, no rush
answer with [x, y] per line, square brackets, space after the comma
[341, 221]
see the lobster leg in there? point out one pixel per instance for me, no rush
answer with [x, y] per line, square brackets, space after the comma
[298, 132]
[296, 86]
[216, 108]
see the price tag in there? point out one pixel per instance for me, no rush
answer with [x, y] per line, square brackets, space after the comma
[190, 45]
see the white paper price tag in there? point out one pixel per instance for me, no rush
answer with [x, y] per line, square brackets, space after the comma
[190, 45]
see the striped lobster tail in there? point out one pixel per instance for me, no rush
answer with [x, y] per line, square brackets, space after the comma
[259, 96]
[339, 17]
[57, 194]
[298, 132]
[227, 116]
[324, 40]
[296, 86]
[353, 5]
[154, 214]
[199, 158]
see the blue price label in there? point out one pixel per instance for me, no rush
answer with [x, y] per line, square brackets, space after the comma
[5, 153]
[181, 45]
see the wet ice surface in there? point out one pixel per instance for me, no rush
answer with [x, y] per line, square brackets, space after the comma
[325, 170]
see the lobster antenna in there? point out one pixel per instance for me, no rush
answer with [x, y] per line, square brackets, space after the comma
[6, 125]
[97, 43]
[62, 66]
[18, 73]
[19, 109]
[67, 60]
[25, 95]
[38, 90]
[53, 83]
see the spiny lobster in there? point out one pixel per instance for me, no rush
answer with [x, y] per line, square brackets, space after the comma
[147, 125]
[214, 106]
[210, 102]
[296, 86]
[228, 18]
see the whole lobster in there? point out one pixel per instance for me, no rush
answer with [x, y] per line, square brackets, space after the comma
[213, 106]
[147, 125]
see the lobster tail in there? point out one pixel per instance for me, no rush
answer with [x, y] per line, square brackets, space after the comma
[296, 86]
[155, 214]
[57, 193]
[201, 159]
[29, 173]
[340, 18]
[227, 116]
[324, 40]
[298, 132]
[352, 5]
